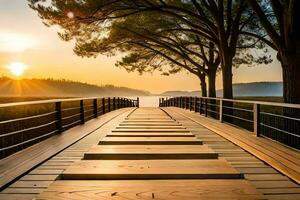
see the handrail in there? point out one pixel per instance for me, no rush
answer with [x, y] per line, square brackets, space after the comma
[18, 131]
[277, 124]
[288, 105]
[24, 103]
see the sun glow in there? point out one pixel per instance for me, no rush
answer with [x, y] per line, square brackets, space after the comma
[13, 42]
[17, 69]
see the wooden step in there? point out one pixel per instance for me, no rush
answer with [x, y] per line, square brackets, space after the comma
[147, 118]
[150, 120]
[152, 127]
[149, 134]
[151, 189]
[150, 169]
[151, 130]
[150, 124]
[146, 152]
[150, 141]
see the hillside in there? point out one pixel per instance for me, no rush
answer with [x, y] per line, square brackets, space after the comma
[263, 89]
[61, 88]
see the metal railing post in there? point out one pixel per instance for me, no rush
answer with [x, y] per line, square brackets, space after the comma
[95, 107]
[256, 119]
[221, 111]
[103, 105]
[82, 112]
[58, 116]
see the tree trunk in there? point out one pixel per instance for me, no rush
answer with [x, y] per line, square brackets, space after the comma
[203, 85]
[227, 88]
[212, 84]
[291, 81]
[227, 79]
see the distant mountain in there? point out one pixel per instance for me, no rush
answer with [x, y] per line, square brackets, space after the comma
[240, 89]
[61, 88]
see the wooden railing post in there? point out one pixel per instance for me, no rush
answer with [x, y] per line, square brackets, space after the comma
[256, 119]
[200, 105]
[190, 103]
[205, 107]
[221, 110]
[138, 102]
[95, 107]
[117, 103]
[82, 120]
[108, 104]
[114, 103]
[58, 116]
[195, 104]
[103, 105]
[181, 102]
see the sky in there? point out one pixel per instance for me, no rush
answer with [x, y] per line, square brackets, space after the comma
[26, 44]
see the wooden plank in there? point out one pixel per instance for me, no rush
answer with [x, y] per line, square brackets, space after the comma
[150, 169]
[39, 177]
[151, 130]
[152, 189]
[274, 184]
[17, 196]
[146, 152]
[149, 124]
[150, 141]
[31, 184]
[149, 134]
[23, 190]
[150, 127]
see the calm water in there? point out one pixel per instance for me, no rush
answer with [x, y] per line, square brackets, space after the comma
[149, 101]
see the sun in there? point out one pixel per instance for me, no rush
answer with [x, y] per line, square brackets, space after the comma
[17, 68]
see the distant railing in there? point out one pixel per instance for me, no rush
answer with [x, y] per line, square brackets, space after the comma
[277, 121]
[26, 123]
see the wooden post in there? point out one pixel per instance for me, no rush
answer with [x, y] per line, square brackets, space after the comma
[221, 110]
[195, 104]
[82, 112]
[103, 105]
[190, 103]
[200, 105]
[114, 103]
[95, 107]
[205, 107]
[256, 119]
[138, 102]
[58, 117]
[108, 104]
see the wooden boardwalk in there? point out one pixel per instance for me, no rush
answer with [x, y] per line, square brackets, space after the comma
[150, 153]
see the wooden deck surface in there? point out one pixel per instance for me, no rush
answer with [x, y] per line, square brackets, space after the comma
[148, 154]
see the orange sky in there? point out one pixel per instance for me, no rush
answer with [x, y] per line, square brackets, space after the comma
[24, 39]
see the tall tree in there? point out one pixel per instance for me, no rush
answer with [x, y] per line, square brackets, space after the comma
[280, 20]
[218, 22]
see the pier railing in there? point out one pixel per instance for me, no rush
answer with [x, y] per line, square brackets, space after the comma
[26, 123]
[277, 121]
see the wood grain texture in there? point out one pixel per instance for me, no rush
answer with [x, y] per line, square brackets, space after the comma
[284, 159]
[150, 141]
[146, 152]
[150, 169]
[152, 189]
